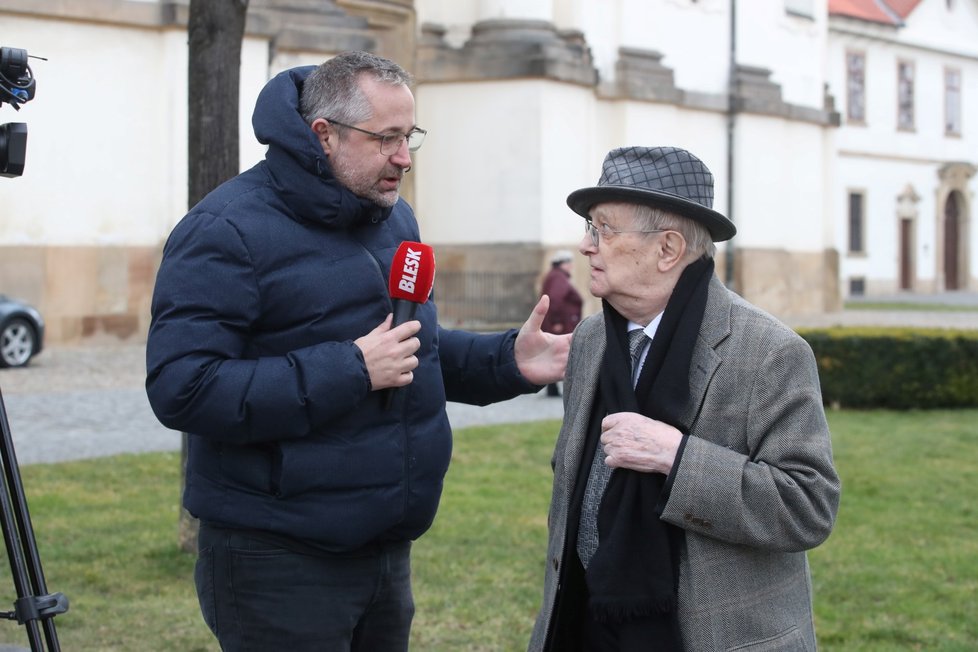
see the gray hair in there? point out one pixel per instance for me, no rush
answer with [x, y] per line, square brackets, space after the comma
[698, 240]
[332, 91]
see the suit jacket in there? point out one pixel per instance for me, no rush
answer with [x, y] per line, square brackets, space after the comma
[755, 487]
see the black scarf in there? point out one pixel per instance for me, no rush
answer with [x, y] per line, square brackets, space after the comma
[633, 577]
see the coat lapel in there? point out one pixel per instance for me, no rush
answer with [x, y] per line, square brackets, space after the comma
[588, 351]
[714, 329]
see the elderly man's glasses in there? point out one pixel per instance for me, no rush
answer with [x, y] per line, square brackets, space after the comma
[604, 230]
[390, 143]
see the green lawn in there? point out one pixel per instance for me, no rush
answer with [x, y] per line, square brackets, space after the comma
[911, 306]
[900, 572]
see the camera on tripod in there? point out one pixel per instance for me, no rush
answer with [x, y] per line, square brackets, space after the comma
[16, 88]
[34, 608]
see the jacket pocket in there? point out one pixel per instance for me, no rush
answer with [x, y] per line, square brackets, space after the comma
[253, 469]
[790, 640]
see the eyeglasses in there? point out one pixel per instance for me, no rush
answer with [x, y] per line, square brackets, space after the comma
[605, 230]
[390, 143]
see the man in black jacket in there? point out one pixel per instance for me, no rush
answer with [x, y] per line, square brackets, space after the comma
[271, 337]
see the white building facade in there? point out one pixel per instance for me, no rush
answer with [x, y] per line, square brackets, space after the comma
[532, 95]
[522, 100]
[906, 154]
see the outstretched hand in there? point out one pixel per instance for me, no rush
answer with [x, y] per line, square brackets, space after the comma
[541, 357]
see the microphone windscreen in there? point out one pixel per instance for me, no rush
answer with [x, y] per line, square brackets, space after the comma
[412, 272]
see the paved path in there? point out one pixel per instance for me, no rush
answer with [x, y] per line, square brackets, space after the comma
[964, 312]
[88, 401]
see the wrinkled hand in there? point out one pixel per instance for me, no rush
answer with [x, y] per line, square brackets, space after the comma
[389, 353]
[541, 357]
[633, 441]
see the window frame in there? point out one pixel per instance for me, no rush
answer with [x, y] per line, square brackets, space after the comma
[851, 56]
[910, 104]
[952, 102]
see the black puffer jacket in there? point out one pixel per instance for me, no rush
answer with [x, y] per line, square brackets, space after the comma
[262, 290]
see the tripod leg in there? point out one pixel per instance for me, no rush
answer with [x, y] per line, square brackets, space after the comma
[15, 554]
[18, 534]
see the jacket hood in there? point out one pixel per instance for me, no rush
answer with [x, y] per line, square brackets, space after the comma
[299, 168]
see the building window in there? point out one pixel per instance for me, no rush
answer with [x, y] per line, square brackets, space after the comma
[856, 222]
[856, 87]
[905, 117]
[952, 102]
[857, 286]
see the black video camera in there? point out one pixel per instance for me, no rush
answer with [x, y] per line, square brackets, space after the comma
[16, 88]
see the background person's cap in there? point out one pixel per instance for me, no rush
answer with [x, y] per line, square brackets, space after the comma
[561, 256]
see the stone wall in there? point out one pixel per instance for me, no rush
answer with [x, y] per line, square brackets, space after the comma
[787, 283]
[84, 292]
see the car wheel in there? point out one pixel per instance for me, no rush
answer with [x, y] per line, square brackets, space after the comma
[16, 343]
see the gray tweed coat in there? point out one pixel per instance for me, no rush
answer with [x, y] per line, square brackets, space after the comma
[754, 490]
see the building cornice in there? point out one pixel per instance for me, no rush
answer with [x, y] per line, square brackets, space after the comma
[506, 49]
[891, 38]
[520, 49]
[307, 25]
[640, 75]
[901, 158]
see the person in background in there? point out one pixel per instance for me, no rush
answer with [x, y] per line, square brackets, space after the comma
[565, 301]
[271, 344]
[693, 469]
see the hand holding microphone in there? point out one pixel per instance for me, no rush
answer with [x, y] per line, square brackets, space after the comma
[411, 279]
[389, 353]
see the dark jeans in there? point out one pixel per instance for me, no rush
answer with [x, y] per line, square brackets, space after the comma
[258, 597]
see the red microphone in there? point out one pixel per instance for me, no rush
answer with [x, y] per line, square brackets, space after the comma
[412, 275]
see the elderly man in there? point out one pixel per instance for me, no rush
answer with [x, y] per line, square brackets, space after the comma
[694, 466]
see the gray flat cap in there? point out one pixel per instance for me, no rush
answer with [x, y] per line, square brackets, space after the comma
[661, 177]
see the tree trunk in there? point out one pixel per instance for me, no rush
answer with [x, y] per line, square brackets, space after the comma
[215, 29]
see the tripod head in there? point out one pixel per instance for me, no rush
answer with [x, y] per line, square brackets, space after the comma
[17, 85]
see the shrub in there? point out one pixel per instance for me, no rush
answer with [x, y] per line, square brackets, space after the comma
[896, 368]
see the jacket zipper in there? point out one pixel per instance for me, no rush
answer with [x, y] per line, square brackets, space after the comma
[406, 439]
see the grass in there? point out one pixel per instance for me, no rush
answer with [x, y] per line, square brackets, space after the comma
[909, 306]
[901, 568]
[898, 573]
[106, 533]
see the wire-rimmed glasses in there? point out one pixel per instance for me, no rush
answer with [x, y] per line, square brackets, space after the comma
[390, 143]
[596, 232]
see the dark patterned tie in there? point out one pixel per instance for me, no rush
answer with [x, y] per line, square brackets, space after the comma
[600, 473]
[636, 342]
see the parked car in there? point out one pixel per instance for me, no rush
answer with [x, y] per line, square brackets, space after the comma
[21, 332]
